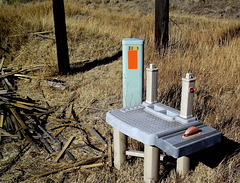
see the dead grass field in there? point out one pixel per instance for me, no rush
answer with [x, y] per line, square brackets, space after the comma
[206, 45]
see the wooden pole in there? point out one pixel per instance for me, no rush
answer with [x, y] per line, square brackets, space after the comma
[61, 36]
[161, 24]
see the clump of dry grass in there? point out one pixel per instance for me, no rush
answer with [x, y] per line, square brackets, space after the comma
[207, 47]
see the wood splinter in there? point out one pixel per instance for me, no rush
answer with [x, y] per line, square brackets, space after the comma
[98, 136]
[64, 148]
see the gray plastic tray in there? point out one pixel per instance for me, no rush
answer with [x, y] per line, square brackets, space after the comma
[161, 126]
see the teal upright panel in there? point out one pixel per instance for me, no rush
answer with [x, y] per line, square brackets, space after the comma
[132, 71]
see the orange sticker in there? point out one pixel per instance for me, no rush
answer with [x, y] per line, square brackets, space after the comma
[132, 59]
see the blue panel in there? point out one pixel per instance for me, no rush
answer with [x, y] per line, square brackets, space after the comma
[132, 78]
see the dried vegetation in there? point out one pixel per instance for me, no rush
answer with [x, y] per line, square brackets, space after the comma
[206, 45]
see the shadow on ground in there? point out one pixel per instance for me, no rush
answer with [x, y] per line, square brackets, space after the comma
[214, 155]
[88, 65]
[211, 156]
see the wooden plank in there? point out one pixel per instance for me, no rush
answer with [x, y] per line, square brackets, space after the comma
[61, 129]
[2, 92]
[85, 106]
[98, 136]
[4, 133]
[12, 73]
[10, 68]
[64, 148]
[40, 35]
[23, 125]
[26, 103]
[1, 120]
[1, 65]
[39, 113]
[51, 82]
[20, 106]
[7, 83]
[84, 167]
[25, 76]
[91, 165]
[66, 167]
[19, 119]
[1, 123]
[16, 125]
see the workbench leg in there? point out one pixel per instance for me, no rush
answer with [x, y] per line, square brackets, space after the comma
[119, 143]
[183, 165]
[151, 163]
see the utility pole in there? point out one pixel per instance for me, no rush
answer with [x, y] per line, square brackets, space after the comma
[161, 24]
[61, 36]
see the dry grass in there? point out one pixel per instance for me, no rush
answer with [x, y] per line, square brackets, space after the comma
[207, 47]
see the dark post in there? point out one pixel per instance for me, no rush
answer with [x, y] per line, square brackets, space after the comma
[161, 24]
[61, 36]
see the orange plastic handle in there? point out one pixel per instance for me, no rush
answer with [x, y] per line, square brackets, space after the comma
[132, 59]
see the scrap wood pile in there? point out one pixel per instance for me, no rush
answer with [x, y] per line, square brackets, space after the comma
[22, 118]
[19, 116]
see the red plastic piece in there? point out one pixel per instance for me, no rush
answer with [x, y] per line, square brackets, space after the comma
[191, 132]
[191, 90]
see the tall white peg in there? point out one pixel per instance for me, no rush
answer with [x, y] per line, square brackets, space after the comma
[152, 76]
[188, 83]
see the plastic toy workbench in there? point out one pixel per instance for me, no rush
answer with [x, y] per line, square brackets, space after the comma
[157, 126]
[161, 126]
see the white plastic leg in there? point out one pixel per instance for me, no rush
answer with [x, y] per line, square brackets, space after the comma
[183, 165]
[151, 164]
[119, 143]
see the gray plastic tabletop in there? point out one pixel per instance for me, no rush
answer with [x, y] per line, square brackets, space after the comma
[159, 125]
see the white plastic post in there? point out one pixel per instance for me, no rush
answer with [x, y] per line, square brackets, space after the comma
[151, 164]
[151, 93]
[187, 96]
[186, 111]
[119, 143]
[151, 153]
[183, 165]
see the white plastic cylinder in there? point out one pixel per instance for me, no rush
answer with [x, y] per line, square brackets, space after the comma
[151, 90]
[183, 165]
[188, 83]
[120, 146]
[151, 164]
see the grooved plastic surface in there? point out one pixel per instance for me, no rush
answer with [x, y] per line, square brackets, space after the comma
[161, 126]
[144, 121]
